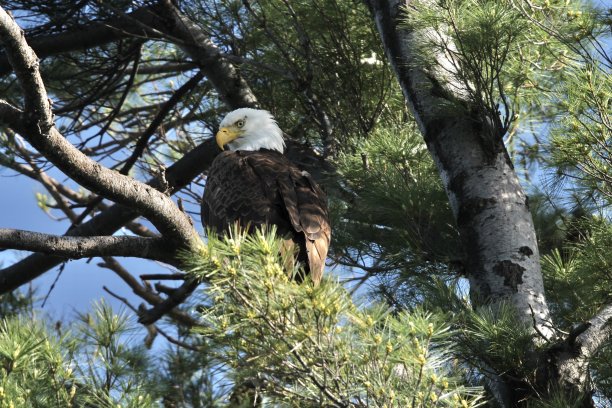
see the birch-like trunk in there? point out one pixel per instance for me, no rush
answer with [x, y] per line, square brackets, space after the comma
[489, 204]
[490, 207]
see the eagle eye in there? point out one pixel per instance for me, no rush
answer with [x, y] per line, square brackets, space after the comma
[240, 123]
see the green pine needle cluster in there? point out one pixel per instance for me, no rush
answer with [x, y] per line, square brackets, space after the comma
[399, 215]
[485, 36]
[496, 339]
[581, 141]
[508, 67]
[33, 369]
[93, 365]
[309, 346]
[578, 276]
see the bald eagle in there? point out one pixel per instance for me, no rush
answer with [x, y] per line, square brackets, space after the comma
[254, 184]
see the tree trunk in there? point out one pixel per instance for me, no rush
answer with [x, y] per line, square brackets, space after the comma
[490, 207]
[487, 200]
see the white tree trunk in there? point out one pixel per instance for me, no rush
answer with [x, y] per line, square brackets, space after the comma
[490, 207]
[486, 197]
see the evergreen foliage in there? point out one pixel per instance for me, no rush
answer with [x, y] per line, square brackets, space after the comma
[582, 139]
[538, 70]
[33, 367]
[399, 215]
[97, 367]
[312, 346]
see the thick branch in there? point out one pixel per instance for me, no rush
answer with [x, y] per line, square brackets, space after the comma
[38, 128]
[229, 84]
[157, 249]
[94, 34]
[177, 176]
[109, 221]
[144, 138]
[566, 363]
[598, 333]
[162, 19]
[116, 216]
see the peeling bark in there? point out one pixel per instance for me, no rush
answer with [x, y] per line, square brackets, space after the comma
[566, 363]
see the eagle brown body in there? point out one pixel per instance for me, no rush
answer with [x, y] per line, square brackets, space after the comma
[262, 187]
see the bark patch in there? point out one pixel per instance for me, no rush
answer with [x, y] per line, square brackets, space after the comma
[471, 208]
[525, 250]
[511, 272]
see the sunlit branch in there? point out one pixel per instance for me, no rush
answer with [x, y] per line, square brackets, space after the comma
[41, 133]
[86, 247]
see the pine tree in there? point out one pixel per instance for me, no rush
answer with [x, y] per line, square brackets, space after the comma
[460, 278]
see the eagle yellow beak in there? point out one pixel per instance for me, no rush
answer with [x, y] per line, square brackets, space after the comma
[226, 135]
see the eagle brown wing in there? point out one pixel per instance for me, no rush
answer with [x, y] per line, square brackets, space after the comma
[264, 188]
[306, 206]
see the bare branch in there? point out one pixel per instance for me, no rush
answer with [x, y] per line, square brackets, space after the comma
[143, 141]
[163, 276]
[231, 87]
[152, 329]
[175, 298]
[163, 19]
[145, 292]
[85, 247]
[10, 115]
[109, 221]
[157, 121]
[93, 35]
[39, 130]
[171, 67]
[178, 175]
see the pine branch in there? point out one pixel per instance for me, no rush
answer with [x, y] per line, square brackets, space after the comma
[227, 81]
[93, 34]
[145, 292]
[109, 221]
[180, 173]
[175, 298]
[157, 249]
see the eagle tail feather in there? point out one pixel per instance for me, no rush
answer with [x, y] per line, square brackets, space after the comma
[317, 252]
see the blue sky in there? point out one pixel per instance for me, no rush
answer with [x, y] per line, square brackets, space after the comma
[81, 283]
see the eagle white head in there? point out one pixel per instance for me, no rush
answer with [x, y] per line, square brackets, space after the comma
[250, 129]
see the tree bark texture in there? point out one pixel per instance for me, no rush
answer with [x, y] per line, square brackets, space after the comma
[490, 207]
[84, 247]
[488, 202]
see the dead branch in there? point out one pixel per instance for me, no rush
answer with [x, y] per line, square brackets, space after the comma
[145, 292]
